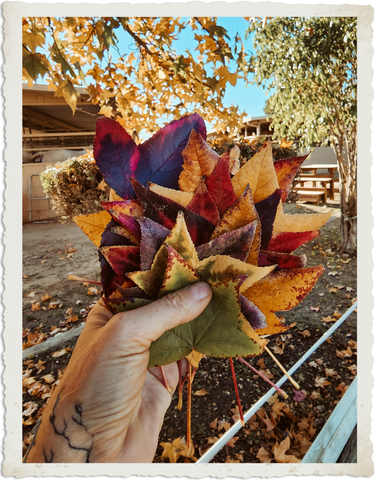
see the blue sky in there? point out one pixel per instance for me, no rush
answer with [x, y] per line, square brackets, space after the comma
[251, 99]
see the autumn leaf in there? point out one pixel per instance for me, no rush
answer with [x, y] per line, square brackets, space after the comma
[279, 452]
[321, 382]
[299, 222]
[201, 392]
[199, 160]
[328, 319]
[220, 186]
[299, 396]
[119, 158]
[264, 456]
[182, 198]
[35, 306]
[60, 353]
[93, 225]
[203, 204]
[286, 170]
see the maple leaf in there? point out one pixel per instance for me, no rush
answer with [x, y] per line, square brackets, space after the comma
[93, 225]
[281, 290]
[280, 455]
[199, 160]
[321, 382]
[264, 456]
[287, 242]
[158, 160]
[286, 170]
[203, 204]
[220, 186]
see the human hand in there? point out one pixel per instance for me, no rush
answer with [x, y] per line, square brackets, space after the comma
[109, 407]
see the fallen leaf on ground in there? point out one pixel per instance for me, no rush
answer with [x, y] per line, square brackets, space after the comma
[305, 333]
[314, 395]
[201, 392]
[45, 297]
[342, 388]
[72, 318]
[29, 407]
[328, 319]
[353, 369]
[336, 314]
[232, 441]
[92, 291]
[35, 306]
[331, 373]
[333, 290]
[31, 294]
[61, 352]
[280, 455]
[69, 311]
[321, 382]
[299, 396]
[25, 276]
[314, 309]
[344, 353]
[48, 378]
[264, 456]
[333, 274]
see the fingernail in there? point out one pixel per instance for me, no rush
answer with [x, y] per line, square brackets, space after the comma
[200, 290]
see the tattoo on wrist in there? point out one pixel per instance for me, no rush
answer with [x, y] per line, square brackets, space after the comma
[66, 429]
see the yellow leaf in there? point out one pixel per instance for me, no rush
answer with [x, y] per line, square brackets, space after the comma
[106, 110]
[93, 225]
[68, 92]
[180, 240]
[299, 222]
[282, 290]
[183, 198]
[249, 173]
[199, 160]
[113, 197]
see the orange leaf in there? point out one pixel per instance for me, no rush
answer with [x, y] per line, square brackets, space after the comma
[232, 441]
[201, 392]
[199, 160]
[279, 452]
[93, 225]
[61, 352]
[282, 290]
[328, 319]
[264, 456]
[321, 382]
[45, 297]
[35, 306]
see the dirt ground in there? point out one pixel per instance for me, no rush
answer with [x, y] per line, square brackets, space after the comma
[52, 251]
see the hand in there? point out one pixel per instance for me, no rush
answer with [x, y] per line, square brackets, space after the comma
[109, 407]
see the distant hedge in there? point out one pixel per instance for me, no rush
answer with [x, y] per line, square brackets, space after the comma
[75, 186]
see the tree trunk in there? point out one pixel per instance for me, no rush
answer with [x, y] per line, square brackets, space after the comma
[347, 162]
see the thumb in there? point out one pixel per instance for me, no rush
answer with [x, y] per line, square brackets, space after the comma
[146, 324]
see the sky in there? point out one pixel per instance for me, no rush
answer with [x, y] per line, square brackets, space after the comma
[251, 99]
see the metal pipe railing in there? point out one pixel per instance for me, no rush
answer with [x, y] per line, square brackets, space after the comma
[210, 453]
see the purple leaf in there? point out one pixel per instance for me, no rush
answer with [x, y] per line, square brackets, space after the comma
[267, 212]
[129, 223]
[116, 155]
[161, 156]
[203, 204]
[253, 315]
[219, 185]
[131, 292]
[152, 237]
[299, 395]
[236, 243]
[157, 160]
[165, 211]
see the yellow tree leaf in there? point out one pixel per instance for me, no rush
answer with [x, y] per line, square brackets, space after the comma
[282, 290]
[199, 160]
[299, 222]
[93, 225]
[113, 197]
[183, 198]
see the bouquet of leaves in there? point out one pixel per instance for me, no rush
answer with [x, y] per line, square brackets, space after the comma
[179, 217]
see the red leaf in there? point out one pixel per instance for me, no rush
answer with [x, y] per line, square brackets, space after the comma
[267, 211]
[129, 223]
[203, 204]
[119, 158]
[152, 237]
[286, 170]
[219, 185]
[287, 242]
[236, 243]
[122, 258]
[285, 260]
[165, 211]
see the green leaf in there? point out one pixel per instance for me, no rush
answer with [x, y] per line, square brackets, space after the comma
[216, 331]
[34, 63]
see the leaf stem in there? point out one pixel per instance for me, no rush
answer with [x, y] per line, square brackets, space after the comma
[236, 389]
[166, 384]
[189, 407]
[181, 385]
[295, 384]
[83, 280]
[264, 378]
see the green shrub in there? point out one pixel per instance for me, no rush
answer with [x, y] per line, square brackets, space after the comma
[75, 186]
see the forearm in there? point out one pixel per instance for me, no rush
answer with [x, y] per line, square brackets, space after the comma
[62, 436]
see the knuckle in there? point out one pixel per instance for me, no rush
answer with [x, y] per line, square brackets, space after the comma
[174, 303]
